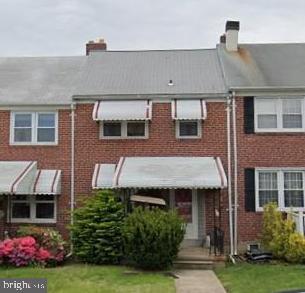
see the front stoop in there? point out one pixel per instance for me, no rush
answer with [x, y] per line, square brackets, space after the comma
[198, 258]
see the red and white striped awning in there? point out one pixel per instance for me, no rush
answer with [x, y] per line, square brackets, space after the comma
[16, 177]
[47, 182]
[189, 109]
[120, 110]
[161, 172]
[22, 177]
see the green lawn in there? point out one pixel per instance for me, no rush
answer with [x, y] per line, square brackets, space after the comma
[91, 279]
[262, 278]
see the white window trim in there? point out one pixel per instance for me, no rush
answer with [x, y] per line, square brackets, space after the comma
[280, 181]
[34, 128]
[199, 129]
[32, 218]
[279, 114]
[124, 130]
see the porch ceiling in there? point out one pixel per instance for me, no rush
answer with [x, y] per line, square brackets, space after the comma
[162, 172]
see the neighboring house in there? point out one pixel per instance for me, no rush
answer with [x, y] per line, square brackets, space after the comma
[164, 124]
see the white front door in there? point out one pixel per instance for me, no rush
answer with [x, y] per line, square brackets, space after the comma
[186, 203]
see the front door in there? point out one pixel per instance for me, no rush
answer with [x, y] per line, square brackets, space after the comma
[185, 201]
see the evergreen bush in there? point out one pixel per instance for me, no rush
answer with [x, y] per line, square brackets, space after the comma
[97, 229]
[152, 237]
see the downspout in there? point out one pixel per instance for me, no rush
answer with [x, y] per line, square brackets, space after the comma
[72, 197]
[235, 174]
[228, 109]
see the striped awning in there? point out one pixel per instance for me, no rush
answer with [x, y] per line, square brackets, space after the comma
[103, 176]
[161, 172]
[47, 182]
[22, 177]
[122, 110]
[189, 109]
[17, 177]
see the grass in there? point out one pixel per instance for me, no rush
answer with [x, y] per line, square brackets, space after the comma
[262, 278]
[78, 278]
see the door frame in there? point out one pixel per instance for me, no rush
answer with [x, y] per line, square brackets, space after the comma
[195, 222]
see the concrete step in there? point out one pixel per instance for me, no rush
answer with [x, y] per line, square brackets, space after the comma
[194, 264]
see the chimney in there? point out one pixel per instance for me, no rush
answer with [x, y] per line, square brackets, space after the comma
[222, 39]
[232, 29]
[98, 45]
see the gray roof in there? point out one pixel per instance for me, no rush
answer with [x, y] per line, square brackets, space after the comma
[264, 65]
[149, 72]
[39, 80]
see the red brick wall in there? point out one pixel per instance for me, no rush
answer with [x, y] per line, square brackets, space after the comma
[262, 150]
[48, 157]
[162, 142]
[89, 150]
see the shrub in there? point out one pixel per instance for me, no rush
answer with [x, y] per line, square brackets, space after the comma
[152, 237]
[279, 236]
[295, 248]
[23, 251]
[276, 230]
[48, 239]
[97, 229]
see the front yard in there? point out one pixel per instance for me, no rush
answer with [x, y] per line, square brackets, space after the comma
[262, 278]
[89, 278]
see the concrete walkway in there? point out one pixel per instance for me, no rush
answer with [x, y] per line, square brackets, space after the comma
[197, 281]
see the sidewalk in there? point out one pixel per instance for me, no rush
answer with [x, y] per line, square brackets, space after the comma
[197, 281]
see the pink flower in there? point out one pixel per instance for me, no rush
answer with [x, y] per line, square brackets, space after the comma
[43, 255]
[27, 241]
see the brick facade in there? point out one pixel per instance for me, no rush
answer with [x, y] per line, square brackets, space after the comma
[254, 150]
[89, 150]
[48, 157]
[262, 150]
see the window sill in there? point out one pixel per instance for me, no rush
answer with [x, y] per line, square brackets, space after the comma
[188, 137]
[122, 138]
[284, 210]
[285, 133]
[33, 144]
[27, 221]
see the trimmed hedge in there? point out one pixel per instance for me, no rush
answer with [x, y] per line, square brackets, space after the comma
[152, 237]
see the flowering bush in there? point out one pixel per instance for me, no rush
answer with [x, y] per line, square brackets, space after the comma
[23, 251]
[35, 246]
[48, 239]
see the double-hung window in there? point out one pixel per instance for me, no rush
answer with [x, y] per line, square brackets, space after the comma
[34, 128]
[279, 114]
[124, 129]
[33, 208]
[285, 187]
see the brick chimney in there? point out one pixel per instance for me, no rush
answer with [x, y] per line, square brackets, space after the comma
[232, 29]
[98, 45]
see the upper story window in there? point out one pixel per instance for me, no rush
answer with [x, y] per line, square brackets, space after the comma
[188, 115]
[124, 129]
[285, 187]
[29, 128]
[279, 114]
[188, 129]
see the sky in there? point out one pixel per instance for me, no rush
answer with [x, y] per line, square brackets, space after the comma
[62, 27]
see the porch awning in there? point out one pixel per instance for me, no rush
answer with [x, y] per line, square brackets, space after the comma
[122, 110]
[103, 176]
[189, 109]
[47, 182]
[161, 172]
[17, 176]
